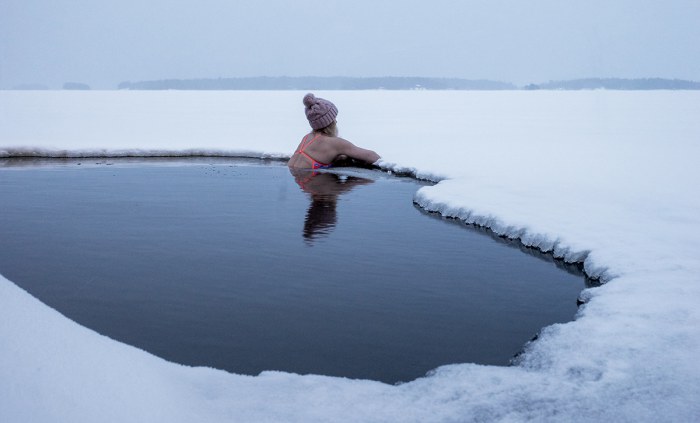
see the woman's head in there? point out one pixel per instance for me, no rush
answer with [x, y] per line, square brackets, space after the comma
[321, 114]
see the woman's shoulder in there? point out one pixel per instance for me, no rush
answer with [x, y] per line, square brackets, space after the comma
[328, 140]
[335, 140]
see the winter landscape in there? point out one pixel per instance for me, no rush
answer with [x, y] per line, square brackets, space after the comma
[571, 128]
[599, 177]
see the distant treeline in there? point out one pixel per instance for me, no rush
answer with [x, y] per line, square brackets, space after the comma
[66, 86]
[402, 83]
[617, 84]
[379, 83]
[318, 83]
[75, 86]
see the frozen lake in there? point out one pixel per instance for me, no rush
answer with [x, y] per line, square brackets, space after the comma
[230, 264]
[604, 178]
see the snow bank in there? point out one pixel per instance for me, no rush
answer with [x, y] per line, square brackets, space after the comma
[604, 177]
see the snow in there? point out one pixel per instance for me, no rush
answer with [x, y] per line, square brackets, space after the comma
[607, 178]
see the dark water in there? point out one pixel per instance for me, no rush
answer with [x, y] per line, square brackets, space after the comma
[230, 264]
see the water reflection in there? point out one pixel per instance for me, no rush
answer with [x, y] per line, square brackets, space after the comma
[323, 189]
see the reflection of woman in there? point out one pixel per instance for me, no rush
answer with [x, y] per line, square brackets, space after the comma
[322, 146]
[324, 189]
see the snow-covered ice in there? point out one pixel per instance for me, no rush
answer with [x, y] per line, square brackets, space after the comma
[608, 178]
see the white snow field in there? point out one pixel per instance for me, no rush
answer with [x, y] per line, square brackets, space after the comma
[608, 178]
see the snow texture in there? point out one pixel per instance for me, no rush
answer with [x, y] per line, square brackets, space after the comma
[606, 178]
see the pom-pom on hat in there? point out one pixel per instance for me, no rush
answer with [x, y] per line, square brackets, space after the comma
[319, 112]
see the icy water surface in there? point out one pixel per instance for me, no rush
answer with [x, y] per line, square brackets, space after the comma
[240, 265]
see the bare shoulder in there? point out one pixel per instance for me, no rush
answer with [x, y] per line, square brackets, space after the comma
[340, 142]
[349, 149]
[341, 145]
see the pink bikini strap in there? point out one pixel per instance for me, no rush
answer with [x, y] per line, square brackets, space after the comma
[305, 144]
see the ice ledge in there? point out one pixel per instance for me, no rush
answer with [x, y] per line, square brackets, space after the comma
[542, 242]
[24, 152]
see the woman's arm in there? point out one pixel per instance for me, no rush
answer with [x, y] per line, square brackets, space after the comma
[349, 149]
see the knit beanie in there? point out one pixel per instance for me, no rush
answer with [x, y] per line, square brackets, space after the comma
[319, 112]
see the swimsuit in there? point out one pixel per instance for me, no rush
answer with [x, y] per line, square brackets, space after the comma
[303, 181]
[315, 164]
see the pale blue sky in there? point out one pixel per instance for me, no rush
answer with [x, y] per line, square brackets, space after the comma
[103, 43]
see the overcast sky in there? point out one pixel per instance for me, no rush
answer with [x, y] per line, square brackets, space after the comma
[102, 43]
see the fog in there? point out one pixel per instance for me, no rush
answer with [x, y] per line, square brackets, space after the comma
[52, 42]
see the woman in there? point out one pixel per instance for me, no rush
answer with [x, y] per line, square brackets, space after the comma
[322, 147]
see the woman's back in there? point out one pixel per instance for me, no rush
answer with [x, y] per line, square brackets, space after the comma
[317, 151]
